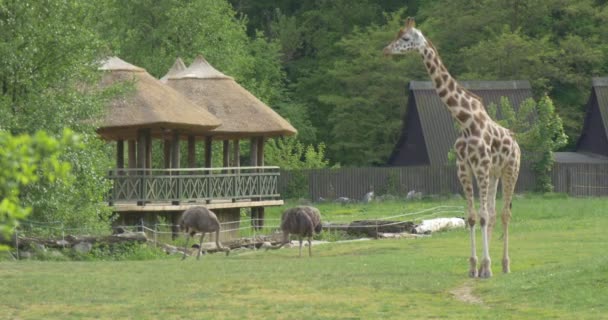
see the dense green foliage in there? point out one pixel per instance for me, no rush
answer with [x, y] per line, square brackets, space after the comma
[26, 160]
[47, 58]
[331, 52]
[539, 131]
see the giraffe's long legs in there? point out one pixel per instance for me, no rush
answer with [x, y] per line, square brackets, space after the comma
[483, 181]
[508, 186]
[492, 205]
[465, 177]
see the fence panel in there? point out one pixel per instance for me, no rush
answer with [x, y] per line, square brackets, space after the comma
[574, 179]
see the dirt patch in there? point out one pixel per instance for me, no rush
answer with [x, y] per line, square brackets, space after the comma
[464, 293]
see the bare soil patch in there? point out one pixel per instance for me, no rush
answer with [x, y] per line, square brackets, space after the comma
[465, 294]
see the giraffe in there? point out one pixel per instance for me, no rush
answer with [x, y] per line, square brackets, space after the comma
[484, 150]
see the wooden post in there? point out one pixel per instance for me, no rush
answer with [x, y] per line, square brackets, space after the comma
[253, 161]
[141, 164]
[236, 162]
[148, 149]
[191, 152]
[120, 154]
[208, 148]
[132, 154]
[226, 158]
[253, 152]
[208, 155]
[167, 153]
[141, 149]
[175, 158]
[260, 162]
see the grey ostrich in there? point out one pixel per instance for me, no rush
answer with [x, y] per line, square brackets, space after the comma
[203, 220]
[302, 221]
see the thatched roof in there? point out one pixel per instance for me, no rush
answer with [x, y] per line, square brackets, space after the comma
[176, 68]
[242, 114]
[149, 105]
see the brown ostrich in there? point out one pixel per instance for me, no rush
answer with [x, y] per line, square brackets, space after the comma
[203, 220]
[302, 221]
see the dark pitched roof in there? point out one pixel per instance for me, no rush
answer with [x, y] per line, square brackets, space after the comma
[436, 123]
[600, 85]
[594, 137]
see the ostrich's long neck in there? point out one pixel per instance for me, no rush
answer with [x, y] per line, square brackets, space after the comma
[461, 103]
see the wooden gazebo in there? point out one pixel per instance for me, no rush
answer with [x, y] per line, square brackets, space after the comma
[243, 116]
[152, 110]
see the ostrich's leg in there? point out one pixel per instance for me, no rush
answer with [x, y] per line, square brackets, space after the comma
[218, 245]
[200, 246]
[300, 238]
[309, 246]
[186, 246]
[465, 177]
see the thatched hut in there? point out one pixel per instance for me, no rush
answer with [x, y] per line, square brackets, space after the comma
[149, 109]
[242, 114]
[177, 67]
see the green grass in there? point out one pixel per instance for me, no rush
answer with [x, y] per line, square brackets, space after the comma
[559, 271]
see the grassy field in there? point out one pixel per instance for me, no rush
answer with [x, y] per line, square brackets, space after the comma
[559, 271]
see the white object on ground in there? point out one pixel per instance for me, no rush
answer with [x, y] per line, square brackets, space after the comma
[439, 224]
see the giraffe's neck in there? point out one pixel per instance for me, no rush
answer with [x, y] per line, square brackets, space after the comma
[463, 105]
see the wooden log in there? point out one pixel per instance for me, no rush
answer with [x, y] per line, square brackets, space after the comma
[371, 228]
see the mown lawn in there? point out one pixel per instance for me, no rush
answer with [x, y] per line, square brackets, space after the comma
[559, 271]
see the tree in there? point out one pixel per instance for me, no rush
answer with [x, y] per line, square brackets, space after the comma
[47, 57]
[539, 132]
[289, 153]
[365, 95]
[26, 160]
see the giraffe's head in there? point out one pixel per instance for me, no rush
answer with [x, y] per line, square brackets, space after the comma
[409, 38]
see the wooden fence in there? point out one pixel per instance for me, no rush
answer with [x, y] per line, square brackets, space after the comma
[354, 183]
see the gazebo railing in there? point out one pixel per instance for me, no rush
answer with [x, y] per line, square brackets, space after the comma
[197, 184]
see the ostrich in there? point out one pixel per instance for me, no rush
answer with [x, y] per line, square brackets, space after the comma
[302, 221]
[203, 220]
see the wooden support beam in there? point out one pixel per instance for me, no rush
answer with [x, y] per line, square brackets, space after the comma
[191, 152]
[141, 161]
[120, 154]
[208, 151]
[253, 152]
[226, 158]
[167, 153]
[141, 148]
[236, 160]
[132, 154]
[175, 156]
[148, 135]
[260, 160]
